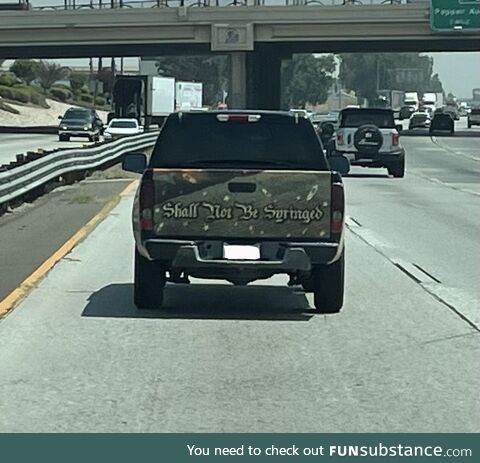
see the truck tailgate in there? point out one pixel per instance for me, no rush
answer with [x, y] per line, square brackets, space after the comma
[226, 203]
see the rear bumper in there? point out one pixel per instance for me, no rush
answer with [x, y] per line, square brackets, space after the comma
[294, 259]
[277, 257]
[78, 133]
[381, 159]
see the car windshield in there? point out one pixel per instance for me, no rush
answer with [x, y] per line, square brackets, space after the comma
[77, 115]
[383, 120]
[274, 140]
[123, 125]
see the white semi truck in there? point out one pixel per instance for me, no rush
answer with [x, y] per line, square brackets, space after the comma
[188, 95]
[432, 101]
[411, 99]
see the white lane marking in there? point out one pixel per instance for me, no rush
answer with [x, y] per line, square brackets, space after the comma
[448, 185]
[414, 271]
[447, 149]
[466, 306]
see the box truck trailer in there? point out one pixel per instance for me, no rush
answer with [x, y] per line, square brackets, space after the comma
[149, 99]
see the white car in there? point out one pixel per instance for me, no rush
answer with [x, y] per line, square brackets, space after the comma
[118, 128]
[368, 137]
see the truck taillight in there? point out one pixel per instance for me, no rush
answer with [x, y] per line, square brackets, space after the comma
[340, 138]
[147, 201]
[395, 138]
[337, 208]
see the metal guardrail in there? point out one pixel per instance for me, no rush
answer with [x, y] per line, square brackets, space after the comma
[105, 4]
[21, 180]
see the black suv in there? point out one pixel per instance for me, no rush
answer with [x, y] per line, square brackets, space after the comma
[80, 122]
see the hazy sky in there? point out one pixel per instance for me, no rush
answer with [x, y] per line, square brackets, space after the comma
[459, 72]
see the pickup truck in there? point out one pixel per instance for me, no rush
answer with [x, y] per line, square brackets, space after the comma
[238, 196]
[368, 137]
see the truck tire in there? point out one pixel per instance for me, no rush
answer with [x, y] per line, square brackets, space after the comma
[149, 283]
[327, 284]
[469, 125]
[397, 170]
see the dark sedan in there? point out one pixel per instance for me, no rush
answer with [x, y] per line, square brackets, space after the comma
[442, 123]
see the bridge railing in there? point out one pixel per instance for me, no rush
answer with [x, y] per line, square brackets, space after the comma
[107, 4]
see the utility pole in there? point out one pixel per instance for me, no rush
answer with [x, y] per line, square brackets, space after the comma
[378, 73]
[339, 94]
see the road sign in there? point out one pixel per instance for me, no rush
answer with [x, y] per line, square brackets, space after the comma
[455, 15]
[407, 76]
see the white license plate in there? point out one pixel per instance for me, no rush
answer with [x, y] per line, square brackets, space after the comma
[239, 252]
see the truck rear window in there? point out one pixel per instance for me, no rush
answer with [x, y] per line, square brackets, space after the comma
[201, 140]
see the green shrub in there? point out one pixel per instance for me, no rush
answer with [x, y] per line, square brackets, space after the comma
[21, 95]
[22, 86]
[100, 101]
[85, 91]
[15, 94]
[86, 98]
[77, 81]
[65, 87]
[6, 92]
[61, 94]
[8, 108]
[7, 79]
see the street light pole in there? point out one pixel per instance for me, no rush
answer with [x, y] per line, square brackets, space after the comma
[378, 73]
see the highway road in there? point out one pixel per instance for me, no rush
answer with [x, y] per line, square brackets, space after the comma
[12, 144]
[402, 356]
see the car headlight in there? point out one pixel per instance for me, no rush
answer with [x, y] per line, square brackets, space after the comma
[107, 135]
[88, 127]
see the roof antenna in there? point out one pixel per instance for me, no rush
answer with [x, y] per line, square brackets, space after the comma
[296, 118]
[180, 116]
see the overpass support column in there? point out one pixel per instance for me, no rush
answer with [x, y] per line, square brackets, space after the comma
[264, 69]
[238, 80]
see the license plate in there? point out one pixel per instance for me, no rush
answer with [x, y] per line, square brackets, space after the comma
[240, 252]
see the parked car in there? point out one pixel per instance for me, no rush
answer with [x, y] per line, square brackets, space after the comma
[442, 122]
[473, 117]
[80, 122]
[419, 120]
[118, 128]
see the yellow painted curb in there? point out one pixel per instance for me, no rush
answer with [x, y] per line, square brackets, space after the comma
[9, 303]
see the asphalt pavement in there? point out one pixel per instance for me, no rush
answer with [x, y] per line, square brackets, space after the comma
[34, 231]
[12, 144]
[402, 356]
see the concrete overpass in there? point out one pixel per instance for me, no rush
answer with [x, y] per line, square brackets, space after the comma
[258, 37]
